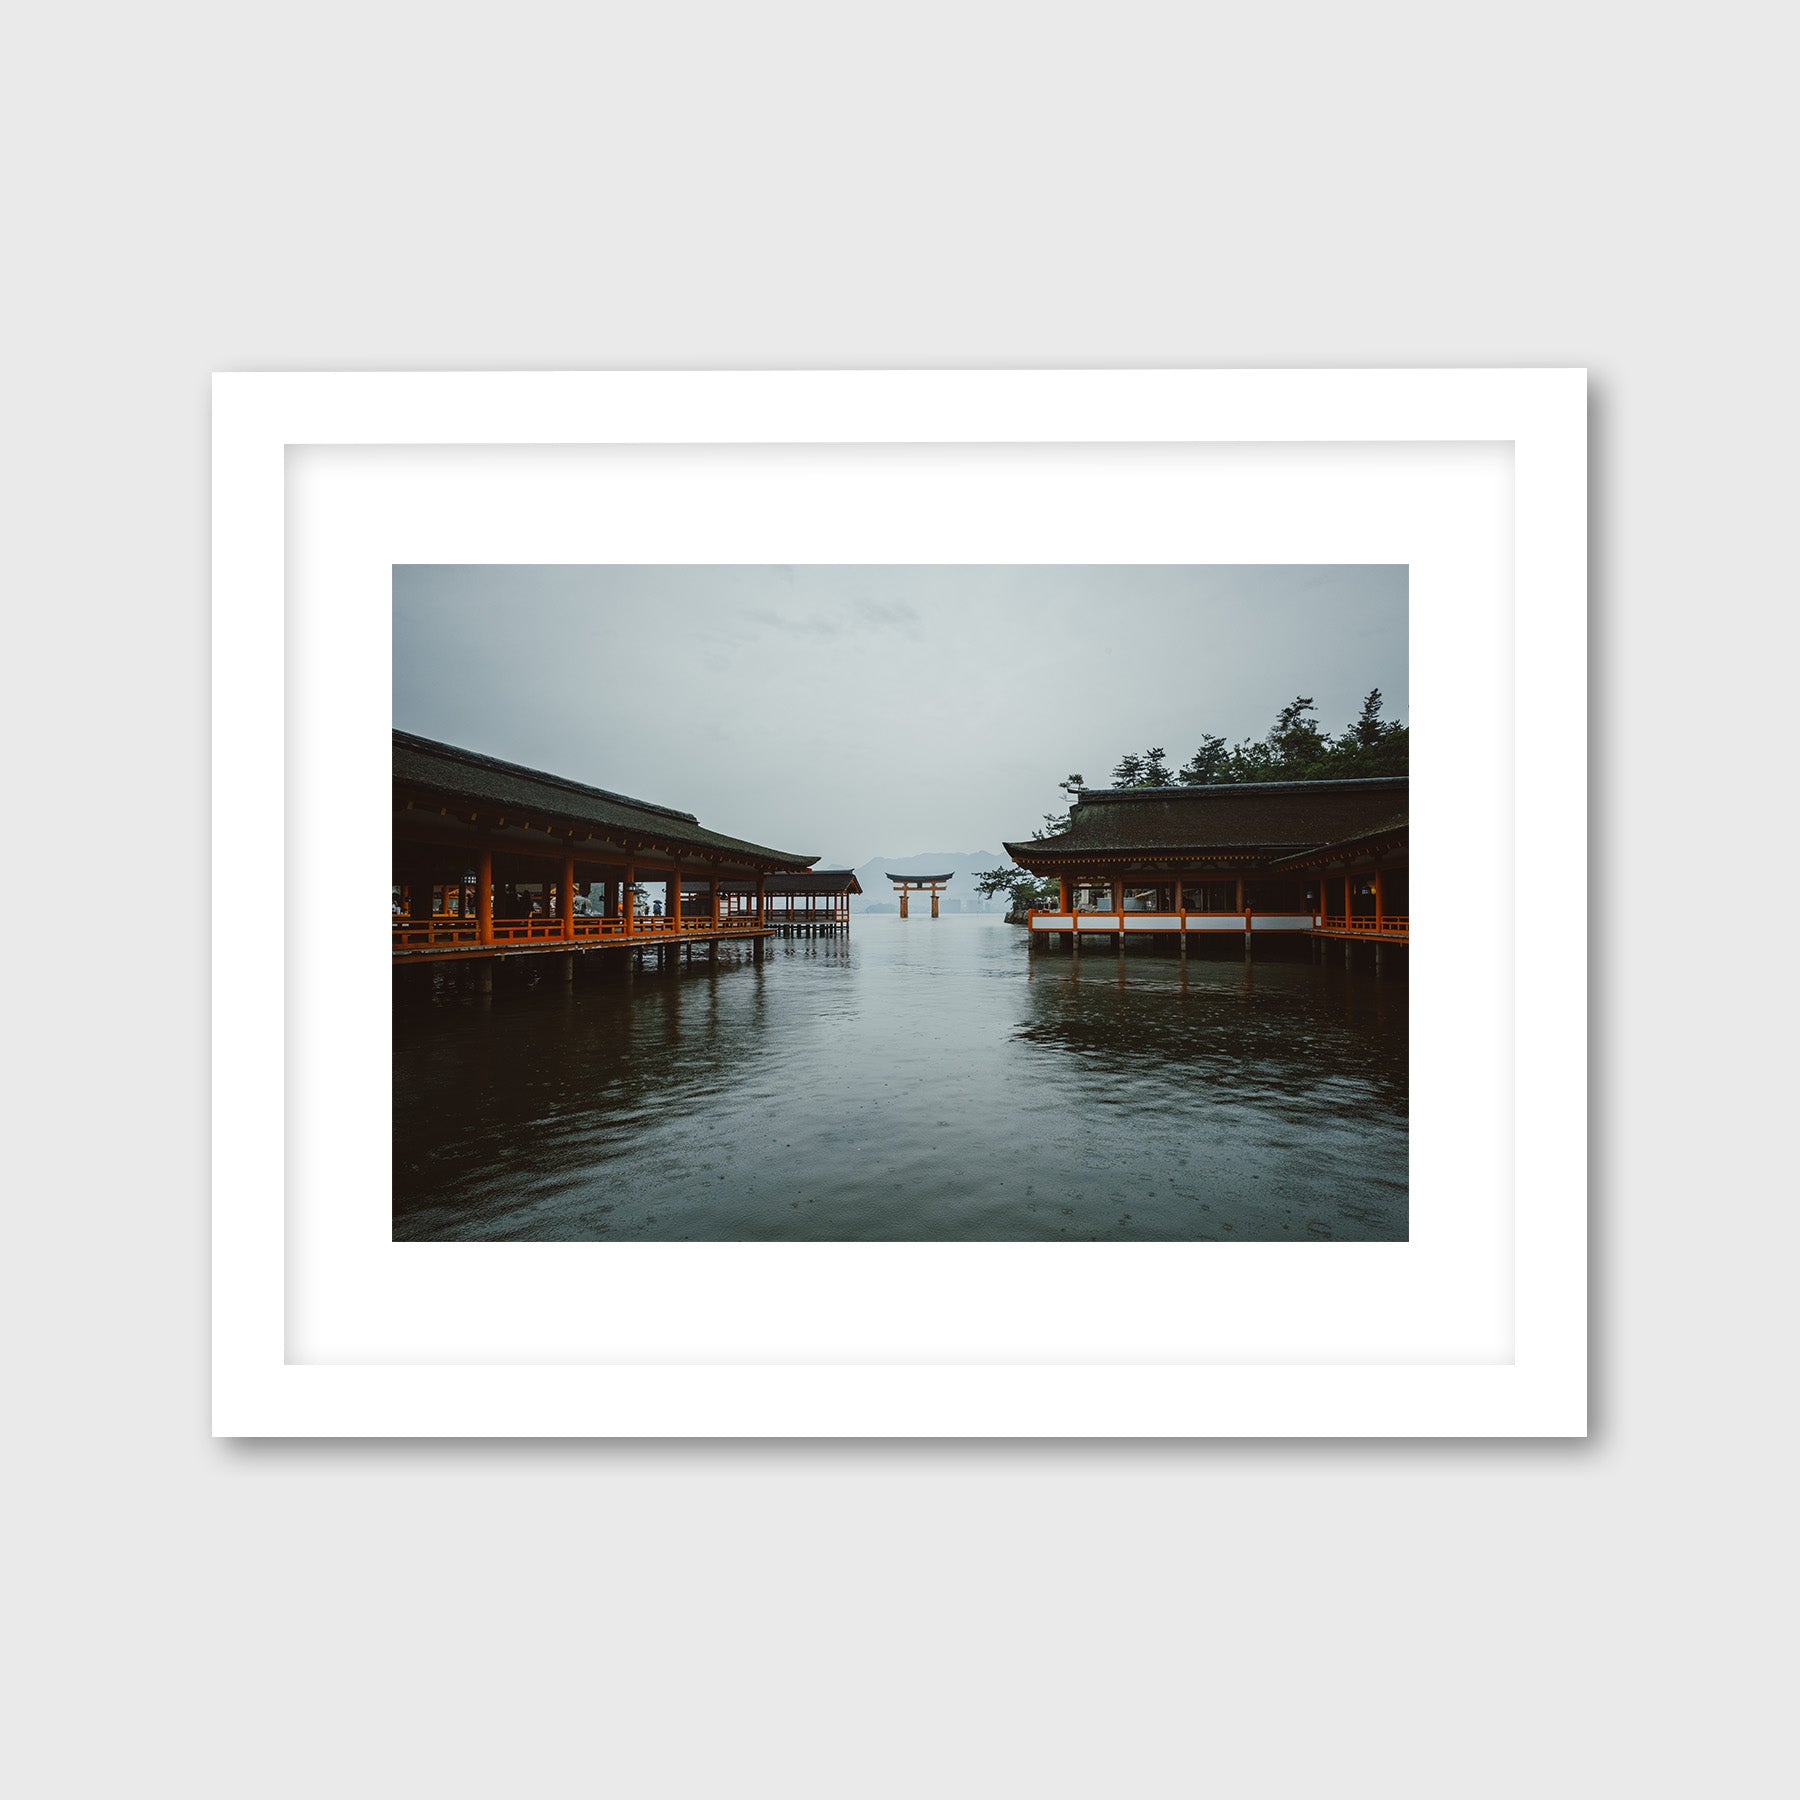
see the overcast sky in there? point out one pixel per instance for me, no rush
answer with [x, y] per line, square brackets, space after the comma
[886, 710]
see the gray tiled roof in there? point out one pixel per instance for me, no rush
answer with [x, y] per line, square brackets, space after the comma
[1383, 832]
[423, 767]
[810, 881]
[1271, 819]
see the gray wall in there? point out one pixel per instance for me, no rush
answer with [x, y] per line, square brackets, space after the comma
[353, 187]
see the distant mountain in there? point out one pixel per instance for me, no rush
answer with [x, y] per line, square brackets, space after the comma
[964, 865]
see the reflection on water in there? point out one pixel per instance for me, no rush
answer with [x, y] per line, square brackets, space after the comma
[924, 1079]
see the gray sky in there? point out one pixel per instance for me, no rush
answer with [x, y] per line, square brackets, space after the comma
[879, 710]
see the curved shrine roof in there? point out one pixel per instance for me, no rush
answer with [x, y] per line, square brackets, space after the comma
[1270, 819]
[423, 767]
[1377, 837]
[808, 881]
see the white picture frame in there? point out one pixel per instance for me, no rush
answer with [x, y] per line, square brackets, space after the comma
[400, 1375]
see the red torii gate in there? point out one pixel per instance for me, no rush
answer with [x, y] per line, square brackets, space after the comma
[904, 884]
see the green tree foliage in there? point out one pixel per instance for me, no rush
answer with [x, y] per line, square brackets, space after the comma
[1294, 749]
[1023, 891]
[1368, 729]
[1055, 824]
[1148, 770]
[1369, 745]
[1297, 742]
[1208, 764]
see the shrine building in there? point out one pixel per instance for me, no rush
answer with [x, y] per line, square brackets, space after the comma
[1312, 862]
[814, 902]
[492, 859]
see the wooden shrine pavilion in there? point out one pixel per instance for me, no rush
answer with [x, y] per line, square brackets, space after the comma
[907, 884]
[1300, 861]
[812, 902]
[492, 859]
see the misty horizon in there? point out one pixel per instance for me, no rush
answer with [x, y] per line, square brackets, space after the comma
[845, 712]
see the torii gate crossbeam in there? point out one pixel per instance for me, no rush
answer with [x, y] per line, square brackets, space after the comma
[906, 884]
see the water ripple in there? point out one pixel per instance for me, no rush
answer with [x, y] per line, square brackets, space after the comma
[924, 1081]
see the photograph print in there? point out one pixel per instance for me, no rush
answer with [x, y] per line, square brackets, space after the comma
[1032, 903]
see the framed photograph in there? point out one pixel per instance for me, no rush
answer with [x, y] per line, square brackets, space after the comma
[903, 917]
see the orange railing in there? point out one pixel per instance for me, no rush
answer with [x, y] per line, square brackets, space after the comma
[452, 928]
[446, 928]
[524, 931]
[1113, 918]
[1388, 925]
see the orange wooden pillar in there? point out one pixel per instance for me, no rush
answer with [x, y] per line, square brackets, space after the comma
[903, 893]
[1378, 901]
[630, 896]
[568, 897]
[934, 898]
[484, 898]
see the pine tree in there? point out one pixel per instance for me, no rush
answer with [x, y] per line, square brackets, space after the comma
[1297, 743]
[1210, 763]
[1369, 730]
